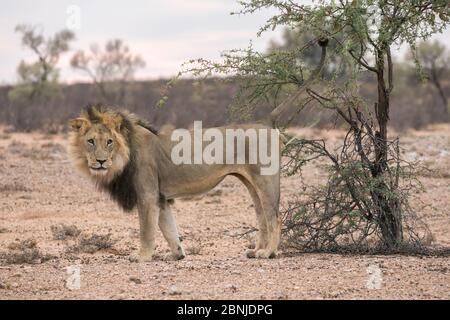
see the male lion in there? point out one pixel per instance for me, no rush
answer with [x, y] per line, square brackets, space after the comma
[123, 155]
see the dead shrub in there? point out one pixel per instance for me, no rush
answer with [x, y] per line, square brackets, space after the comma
[193, 250]
[3, 230]
[62, 231]
[214, 193]
[16, 147]
[14, 187]
[36, 154]
[54, 147]
[47, 151]
[25, 251]
[92, 243]
[213, 201]
[436, 172]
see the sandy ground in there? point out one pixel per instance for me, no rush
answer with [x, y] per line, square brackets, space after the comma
[39, 188]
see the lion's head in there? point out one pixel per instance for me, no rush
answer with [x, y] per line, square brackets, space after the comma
[103, 145]
[98, 143]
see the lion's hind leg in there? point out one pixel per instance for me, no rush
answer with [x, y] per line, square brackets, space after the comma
[268, 191]
[169, 230]
[273, 232]
[261, 242]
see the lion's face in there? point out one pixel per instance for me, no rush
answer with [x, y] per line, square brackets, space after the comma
[98, 147]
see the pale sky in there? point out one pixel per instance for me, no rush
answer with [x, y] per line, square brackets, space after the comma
[165, 33]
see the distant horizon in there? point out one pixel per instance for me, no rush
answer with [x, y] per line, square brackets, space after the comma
[90, 82]
[165, 33]
[201, 30]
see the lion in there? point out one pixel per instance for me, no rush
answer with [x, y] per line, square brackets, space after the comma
[123, 155]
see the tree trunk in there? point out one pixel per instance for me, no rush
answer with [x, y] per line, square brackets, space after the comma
[437, 84]
[389, 214]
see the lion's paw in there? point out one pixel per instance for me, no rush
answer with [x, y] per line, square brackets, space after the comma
[174, 257]
[140, 257]
[250, 253]
[265, 254]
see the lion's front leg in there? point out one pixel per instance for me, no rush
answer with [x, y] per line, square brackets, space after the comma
[168, 227]
[148, 221]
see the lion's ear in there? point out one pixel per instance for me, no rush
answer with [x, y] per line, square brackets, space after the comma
[114, 122]
[79, 124]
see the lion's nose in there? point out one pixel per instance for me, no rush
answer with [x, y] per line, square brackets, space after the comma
[101, 161]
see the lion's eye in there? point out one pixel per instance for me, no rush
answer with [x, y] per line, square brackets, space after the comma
[91, 142]
[109, 142]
